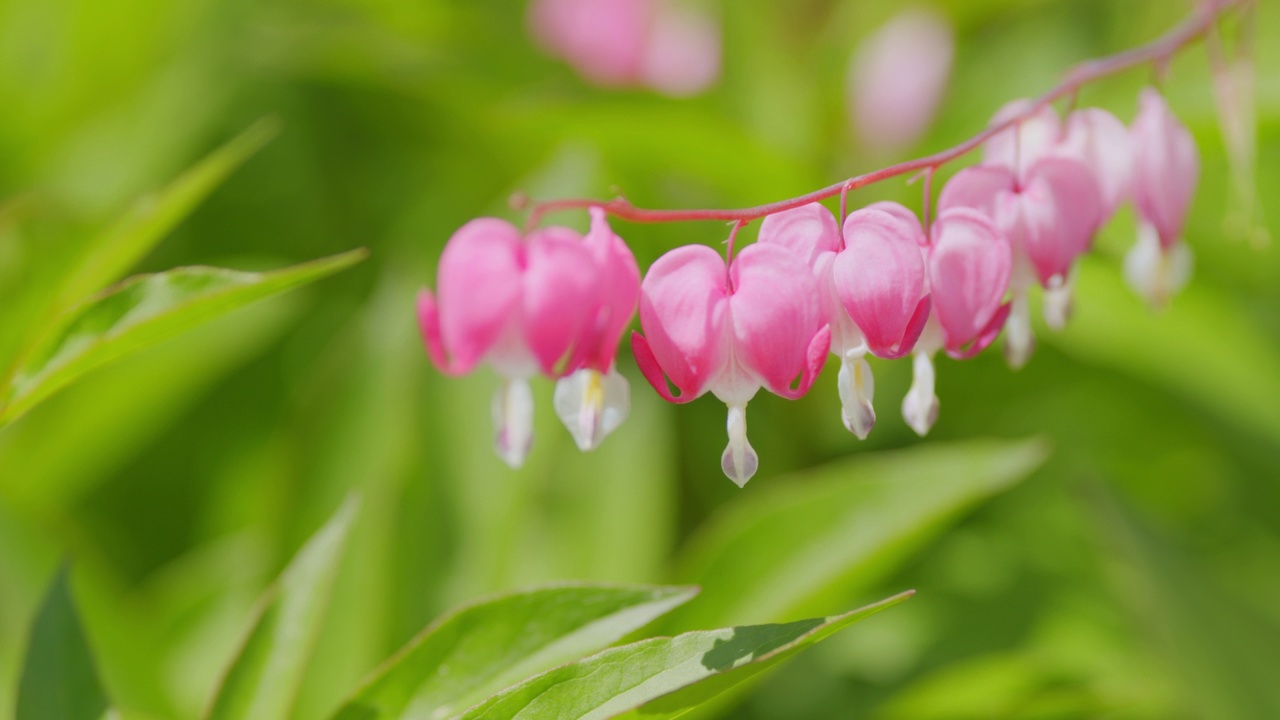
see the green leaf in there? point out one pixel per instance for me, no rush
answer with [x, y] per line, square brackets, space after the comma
[262, 680]
[143, 311]
[480, 649]
[663, 677]
[843, 525]
[153, 216]
[59, 681]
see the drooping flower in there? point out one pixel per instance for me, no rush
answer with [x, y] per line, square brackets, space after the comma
[897, 78]
[594, 400]
[969, 264]
[525, 306]
[1166, 171]
[730, 331]
[871, 279]
[672, 48]
[1048, 208]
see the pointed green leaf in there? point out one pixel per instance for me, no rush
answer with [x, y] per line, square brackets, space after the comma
[153, 216]
[59, 681]
[845, 524]
[662, 677]
[480, 649]
[262, 681]
[143, 311]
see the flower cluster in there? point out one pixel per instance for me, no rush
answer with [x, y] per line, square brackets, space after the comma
[878, 282]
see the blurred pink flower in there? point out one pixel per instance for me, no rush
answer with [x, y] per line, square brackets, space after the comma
[549, 303]
[897, 78]
[671, 48]
[730, 331]
[1166, 170]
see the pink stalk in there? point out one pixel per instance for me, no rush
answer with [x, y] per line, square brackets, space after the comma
[1157, 53]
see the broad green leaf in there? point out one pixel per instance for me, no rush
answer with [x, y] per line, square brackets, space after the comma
[263, 679]
[803, 543]
[153, 216]
[143, 311]
[663, 677]
[480, 649]
[59, 681]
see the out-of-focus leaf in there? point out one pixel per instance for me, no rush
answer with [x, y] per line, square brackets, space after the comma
[1203, 346]
[478, 650]
[143, 311]
[1221, 652]
[663, 677]
[263, 679]
[153, 216]
[59, 681]
[848, 523]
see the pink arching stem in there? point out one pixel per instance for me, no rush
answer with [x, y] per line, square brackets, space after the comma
[1158, 53]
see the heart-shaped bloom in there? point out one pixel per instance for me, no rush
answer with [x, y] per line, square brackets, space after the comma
[594, 400]
[1166, 171]
[675, 49]
[730, 331]
[871, 279]
[1049, 217]
[1099, 140]
[1020, 146]
[525, 306]
[969, 264]
[969, 268]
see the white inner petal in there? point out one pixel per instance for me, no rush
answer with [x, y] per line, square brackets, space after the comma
[1156, 273]
[1019, 339]
[592, 405]
[920, 406]
[739, 460]
[513, 421]
[857, 389]
[1058, 301]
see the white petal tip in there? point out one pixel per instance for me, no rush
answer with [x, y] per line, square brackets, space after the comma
[857, 389]
[1157, 273]
[739, 460]
[513, 421]
[592, 405]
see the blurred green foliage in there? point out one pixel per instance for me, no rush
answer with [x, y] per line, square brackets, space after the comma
[1133, 575]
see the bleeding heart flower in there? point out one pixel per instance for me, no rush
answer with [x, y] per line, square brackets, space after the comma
[1099, 140]
[969, 267]
[1018, 147]
[1049, 217]
[672, 48]
[897, 78]
[522, 305]
[871, 280]
[1166, 171]
[594, 400]
[730, 331]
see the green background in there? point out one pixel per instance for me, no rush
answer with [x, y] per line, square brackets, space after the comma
[1136, 574]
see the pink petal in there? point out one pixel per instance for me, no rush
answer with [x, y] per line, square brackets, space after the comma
[880, 277]
[1020, 146]
[808, 231]
[604, 40]
[429, 324]
[682, 57]
[683, 305]
[908, 218]
[977, 187]
[1166, 167]
[560, 294]
[1061, 210]
[1099, 140]
[776, 312]
[897, 79]
[969, 268]
[619, 282]
[479, 289]
[986, 337]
